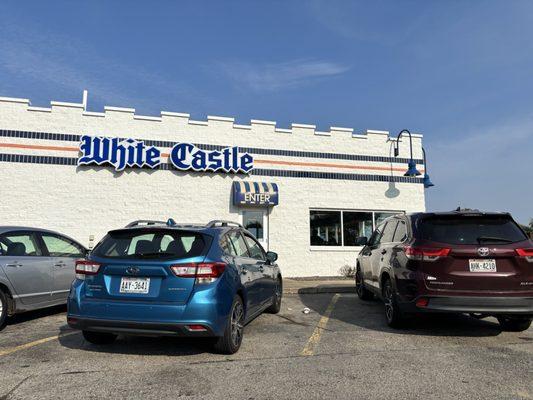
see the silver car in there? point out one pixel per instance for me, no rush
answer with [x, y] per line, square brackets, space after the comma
[37, 267]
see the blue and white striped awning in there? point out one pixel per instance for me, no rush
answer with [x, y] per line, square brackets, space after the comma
[255, 193]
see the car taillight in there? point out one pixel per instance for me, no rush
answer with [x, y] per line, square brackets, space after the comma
[203, 272]
[526, 253]
[86, 267]
[426, 253]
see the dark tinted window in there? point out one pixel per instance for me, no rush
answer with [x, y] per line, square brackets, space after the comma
[356, 224]
[376, 236]
[470, 230]
[401, 232]
[325, 228]
[388, 232]
[158, 244]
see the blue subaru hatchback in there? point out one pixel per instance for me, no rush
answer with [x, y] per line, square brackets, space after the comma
[155, 278]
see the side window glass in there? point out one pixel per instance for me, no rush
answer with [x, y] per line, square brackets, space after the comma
[401, 232]
[375, 239]
[61, 247]
[20, 244]
[238, 243]
[226, 245]
[388, 232]
[3, 248]
[255, 249]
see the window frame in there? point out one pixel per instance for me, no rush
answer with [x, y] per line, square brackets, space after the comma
[342, 247]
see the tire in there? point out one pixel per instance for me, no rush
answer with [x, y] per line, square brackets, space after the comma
[99, 337]
[3, 309]
[231, 341]
[511, 324]
[276, 299]
[362, 292]
[393, 313]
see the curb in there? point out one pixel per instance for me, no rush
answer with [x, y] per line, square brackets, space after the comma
[320, 289]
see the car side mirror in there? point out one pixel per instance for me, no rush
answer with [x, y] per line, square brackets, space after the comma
[361, 241]
[271, 256]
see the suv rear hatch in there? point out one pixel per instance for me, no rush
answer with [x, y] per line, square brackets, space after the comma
[135, 265]
[479, 252]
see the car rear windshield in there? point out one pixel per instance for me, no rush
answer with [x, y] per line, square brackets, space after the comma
[473, 230]
[152, 244]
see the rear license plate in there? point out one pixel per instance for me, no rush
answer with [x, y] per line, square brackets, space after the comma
[484, 265]
[135, 285]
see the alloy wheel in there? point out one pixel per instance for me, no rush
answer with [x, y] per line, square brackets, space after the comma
[358, 282]
[277, 292]
[388, 300]
[237, 325]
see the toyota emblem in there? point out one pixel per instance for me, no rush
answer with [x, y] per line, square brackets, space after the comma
[483, 251]
[133, 270]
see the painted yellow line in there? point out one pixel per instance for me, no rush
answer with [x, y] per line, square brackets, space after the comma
[313, 341]
[29, 345]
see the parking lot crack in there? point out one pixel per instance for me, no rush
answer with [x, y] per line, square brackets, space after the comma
[8, 394]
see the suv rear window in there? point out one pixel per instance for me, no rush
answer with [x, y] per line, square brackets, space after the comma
[473, 230]
[152, 244]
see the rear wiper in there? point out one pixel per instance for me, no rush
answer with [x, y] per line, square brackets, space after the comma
[142, 255]
[492, 239]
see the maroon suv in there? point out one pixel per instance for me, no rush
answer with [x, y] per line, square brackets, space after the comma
[462, 261]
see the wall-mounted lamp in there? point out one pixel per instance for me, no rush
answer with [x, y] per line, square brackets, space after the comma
[427, 182]
[411, 165]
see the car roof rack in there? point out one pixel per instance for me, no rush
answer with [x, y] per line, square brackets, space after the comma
[221, 222]
[142, 222]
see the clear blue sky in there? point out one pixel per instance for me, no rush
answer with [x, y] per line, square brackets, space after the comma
[460, 72]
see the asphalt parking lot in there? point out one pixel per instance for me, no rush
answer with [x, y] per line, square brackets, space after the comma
[341, 349]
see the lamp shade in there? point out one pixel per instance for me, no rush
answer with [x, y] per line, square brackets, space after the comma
[411, 169]
[427, 182]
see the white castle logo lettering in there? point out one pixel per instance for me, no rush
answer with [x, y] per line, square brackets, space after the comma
[122, 153]
[118, 153]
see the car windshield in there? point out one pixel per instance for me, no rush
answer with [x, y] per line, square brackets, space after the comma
[162, 244]
[472, 230]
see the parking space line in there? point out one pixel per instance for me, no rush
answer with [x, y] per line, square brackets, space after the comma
[29, 345]
[313, 341]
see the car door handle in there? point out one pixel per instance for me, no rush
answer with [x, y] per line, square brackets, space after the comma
[261, 268]
[14, 265]
[383, 251]
[243, 271]
[60, 264]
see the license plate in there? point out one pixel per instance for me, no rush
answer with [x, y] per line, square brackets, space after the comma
[485, 265]
[135, 285]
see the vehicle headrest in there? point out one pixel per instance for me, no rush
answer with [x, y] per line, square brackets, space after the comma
[16, 249]
[176, 247]
[144, 246]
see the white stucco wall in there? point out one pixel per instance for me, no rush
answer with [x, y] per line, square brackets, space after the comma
[84, 201]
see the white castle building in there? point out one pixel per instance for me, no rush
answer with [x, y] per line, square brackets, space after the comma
[304, 193]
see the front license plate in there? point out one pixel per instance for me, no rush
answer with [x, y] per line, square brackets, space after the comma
[135, 285]
[485, 265]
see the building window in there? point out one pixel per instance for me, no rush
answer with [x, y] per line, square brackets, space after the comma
[326, 228]
[342, 227]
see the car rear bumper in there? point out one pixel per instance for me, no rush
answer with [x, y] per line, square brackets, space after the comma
[484, 305]
[138, 327]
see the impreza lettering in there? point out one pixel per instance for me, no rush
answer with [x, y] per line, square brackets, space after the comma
[186, 156]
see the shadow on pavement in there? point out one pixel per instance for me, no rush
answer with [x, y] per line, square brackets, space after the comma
[371, 315]
[140, 345]
[32, 315]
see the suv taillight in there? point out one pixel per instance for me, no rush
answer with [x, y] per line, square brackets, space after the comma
[526, 253]
[86, 267]
[203, 272]
[426, 253]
